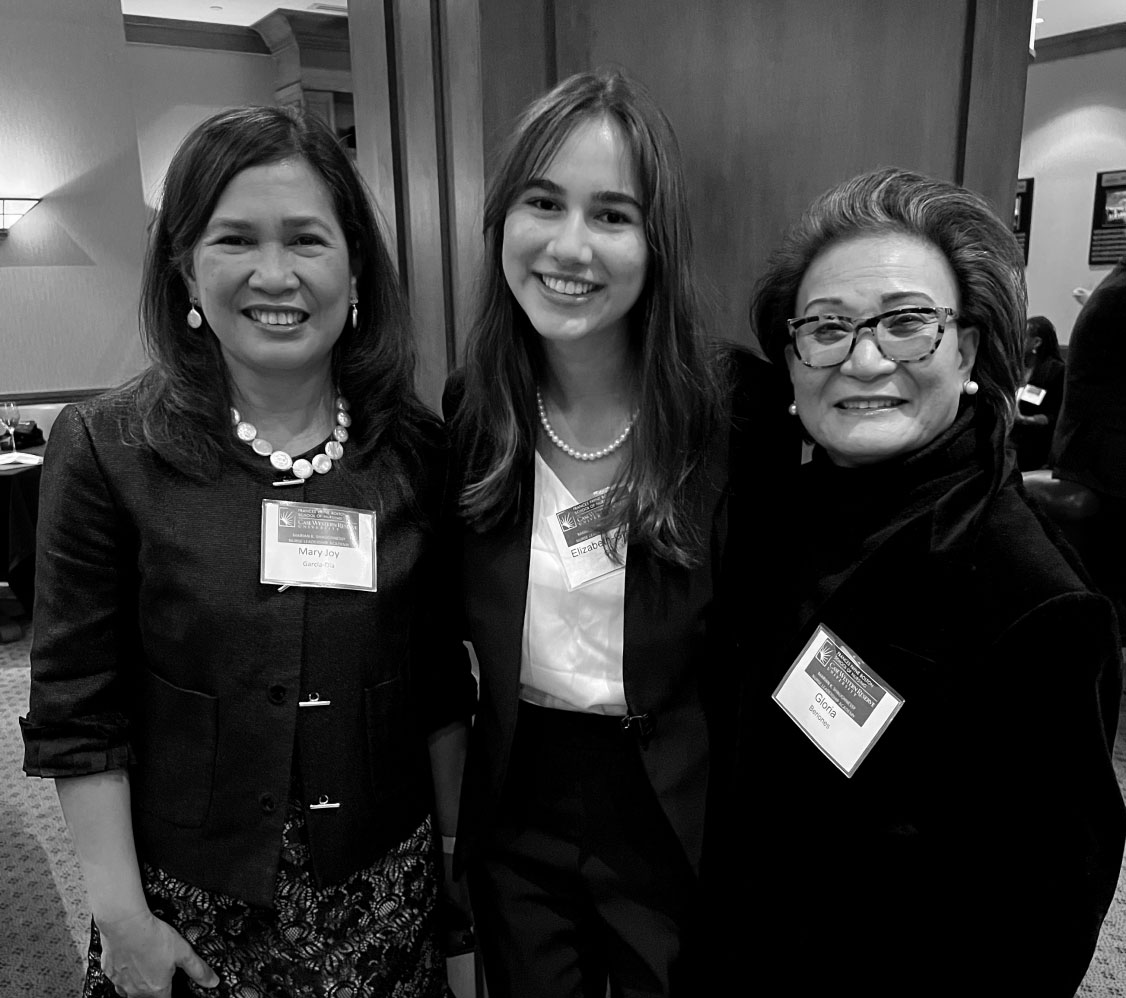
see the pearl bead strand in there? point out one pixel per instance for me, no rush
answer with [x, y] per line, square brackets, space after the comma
[581, 455]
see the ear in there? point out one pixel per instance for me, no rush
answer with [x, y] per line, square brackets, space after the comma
[968, 338]
[189, 280]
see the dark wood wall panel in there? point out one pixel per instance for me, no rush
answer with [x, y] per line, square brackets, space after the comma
[775, 101]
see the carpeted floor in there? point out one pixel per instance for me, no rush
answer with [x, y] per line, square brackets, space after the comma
[44, 920]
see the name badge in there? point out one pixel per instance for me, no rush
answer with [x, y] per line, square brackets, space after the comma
[840, 703]
[1031, 394]
[579, 541]
[309, 544]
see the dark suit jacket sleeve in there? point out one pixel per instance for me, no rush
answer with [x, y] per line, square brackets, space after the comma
[84, 614]
[448, 691]
[1046, 798]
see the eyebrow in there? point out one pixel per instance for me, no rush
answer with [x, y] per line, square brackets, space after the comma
[889, 300]
[294, 222]
[600, 197]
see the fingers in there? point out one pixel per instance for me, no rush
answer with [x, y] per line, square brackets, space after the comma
[191, 964]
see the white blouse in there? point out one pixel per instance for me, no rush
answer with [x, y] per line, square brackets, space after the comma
[573, 629]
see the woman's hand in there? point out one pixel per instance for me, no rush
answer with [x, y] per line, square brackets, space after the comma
[141, 953]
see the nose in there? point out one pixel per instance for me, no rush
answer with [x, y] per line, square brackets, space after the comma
[273, 270]
[866, 362]
[571, 240]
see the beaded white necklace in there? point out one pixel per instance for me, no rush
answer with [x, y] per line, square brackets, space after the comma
[580, 455]
[280, 459]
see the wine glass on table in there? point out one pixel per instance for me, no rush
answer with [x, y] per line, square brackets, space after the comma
[9, 416]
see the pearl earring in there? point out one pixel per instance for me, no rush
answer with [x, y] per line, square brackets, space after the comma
[195, 320]
[793, 409]
[970, 387]
[355, 311]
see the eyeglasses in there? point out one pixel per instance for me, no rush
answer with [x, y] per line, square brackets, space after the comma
[903, 334]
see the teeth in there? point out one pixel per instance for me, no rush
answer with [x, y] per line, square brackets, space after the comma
[869, 404]
[271, 318]
[568, 287]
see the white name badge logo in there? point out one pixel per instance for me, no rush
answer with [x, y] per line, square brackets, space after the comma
[840, 704]
[1031, 394]
[311, 544]
[578, 539]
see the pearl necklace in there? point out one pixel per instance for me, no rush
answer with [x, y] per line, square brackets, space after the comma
[580, 455]
[302, 468]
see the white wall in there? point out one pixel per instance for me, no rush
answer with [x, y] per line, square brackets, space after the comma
[69, 270]
[174, 89]
[89, 123]
[1074, 127]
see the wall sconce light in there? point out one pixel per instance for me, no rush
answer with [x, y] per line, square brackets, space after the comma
[12, 210]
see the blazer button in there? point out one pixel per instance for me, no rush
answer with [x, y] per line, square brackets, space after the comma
[268, 803]
[277, 694]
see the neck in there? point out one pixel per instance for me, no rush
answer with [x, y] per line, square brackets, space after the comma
[596, 370]
[292, 412]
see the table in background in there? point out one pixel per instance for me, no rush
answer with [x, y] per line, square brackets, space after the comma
[19, 506]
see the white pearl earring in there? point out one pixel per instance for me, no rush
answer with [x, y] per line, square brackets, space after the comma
[195, 320]
[793, 409]
[970, 387]
[355, 311]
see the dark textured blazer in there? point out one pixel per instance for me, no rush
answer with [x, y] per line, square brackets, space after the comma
[1090, 439]
[976, 849]
[670, 630]
[156, 648]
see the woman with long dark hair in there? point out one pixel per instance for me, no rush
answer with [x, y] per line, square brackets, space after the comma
[1040, 394]
[594, 426]
[248, 718]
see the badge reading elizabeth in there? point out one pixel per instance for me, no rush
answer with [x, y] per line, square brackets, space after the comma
[312, 544]
[840, 703]
[577, 533]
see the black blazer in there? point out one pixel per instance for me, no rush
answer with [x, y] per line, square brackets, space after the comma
[976, 849]
[157, 648]
[670, 628]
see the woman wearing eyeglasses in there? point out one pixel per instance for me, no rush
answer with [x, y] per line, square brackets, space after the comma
[930, 759]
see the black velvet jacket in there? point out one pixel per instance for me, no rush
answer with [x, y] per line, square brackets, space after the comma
[157, 648]
[976, 849]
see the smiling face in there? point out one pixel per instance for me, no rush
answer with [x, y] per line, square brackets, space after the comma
[574, 252]
[871, 409]
[271, 271]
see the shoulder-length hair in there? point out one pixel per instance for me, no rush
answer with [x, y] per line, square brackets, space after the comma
[676, 378]
[185, 394]
[980, 249]
[1049, 349]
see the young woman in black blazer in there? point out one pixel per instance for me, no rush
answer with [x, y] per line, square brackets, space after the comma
[594, 426]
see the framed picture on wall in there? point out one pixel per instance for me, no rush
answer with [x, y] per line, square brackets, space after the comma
[1022, 215]
[1108, 219]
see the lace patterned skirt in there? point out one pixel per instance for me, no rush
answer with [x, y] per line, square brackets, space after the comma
[372, 936]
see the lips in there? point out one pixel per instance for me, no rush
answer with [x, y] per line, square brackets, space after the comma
[567, 286]
[276, 316]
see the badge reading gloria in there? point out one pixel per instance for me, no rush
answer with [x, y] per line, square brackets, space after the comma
[840, 703]
[309, 544]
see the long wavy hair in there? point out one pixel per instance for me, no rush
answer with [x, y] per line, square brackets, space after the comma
[677, 376]
[183, 398]
[982, 252]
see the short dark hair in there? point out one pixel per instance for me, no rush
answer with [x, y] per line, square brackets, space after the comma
[678, 379]
[185, 394]
[982, 252]
[1041, 326]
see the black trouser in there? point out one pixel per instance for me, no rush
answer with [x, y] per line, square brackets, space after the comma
[583, 880]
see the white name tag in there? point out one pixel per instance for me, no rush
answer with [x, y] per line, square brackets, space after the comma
[840, 704]
[1031, 394]
[578, 539]
[309, 544]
